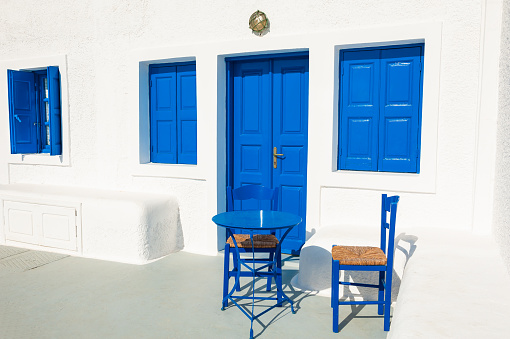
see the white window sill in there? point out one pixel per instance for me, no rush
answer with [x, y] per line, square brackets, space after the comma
[38, 159]
[389, 181]
[180, 171]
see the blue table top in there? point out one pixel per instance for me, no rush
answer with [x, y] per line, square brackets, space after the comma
[256, 219]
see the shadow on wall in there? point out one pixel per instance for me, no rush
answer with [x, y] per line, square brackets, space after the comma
[310, 234]
[315, 269]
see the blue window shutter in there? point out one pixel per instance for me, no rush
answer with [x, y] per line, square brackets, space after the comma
[400, 109]
[163, 122]
[359, 110]
[186, 115]
[55, 110]
[22, 112]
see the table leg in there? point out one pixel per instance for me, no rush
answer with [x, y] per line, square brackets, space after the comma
[252, 285]
[281, 296]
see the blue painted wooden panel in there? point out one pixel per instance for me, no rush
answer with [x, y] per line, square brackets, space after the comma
[163, 116]
[251, 128]
[290, 137]
[186, 115]
[380, 109]
[400, 109]
[359, 108]
[55, 116]
[23, 115]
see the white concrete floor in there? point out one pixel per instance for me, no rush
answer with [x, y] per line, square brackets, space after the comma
[178, 296]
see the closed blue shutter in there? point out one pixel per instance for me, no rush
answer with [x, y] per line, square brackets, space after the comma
[400, 108]
[380, 109]
[55, 116]
[358, 133]
[186, 115]
[22, 112]
[163, 115]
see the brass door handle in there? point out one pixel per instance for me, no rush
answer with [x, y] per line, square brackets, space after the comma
[275, 156]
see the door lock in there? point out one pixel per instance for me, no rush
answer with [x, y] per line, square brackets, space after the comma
[275, 156]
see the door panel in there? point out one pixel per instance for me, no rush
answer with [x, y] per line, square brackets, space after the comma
[270, 109]
[252, 126]
[290, 136]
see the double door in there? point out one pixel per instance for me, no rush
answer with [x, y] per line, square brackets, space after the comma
[268, 133]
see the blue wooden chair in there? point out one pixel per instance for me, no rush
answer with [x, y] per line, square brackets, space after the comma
[262, 243]
[363, 258]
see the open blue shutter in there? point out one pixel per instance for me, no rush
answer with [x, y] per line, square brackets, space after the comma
[359, 109]
[400, 108]
[163, 116]
[22, 112]
[55, 110]
[186, 115]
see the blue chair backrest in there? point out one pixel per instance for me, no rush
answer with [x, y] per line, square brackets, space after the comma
[256, 192]
[389, 205]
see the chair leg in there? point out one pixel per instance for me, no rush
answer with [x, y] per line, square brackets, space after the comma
[270, 269]
[236, 267]
[279, 295]
[335, 287]
[387, 301]
[226, 274]
[380, 298]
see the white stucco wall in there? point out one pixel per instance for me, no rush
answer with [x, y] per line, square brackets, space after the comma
[502, 173]
[107, 46]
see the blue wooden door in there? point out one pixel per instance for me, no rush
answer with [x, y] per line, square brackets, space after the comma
[270, 110]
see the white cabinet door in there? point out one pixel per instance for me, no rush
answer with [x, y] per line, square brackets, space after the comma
[19, 222]
[45, 225]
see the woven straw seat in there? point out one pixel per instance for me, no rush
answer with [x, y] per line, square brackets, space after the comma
[359, 255]
[260, 241]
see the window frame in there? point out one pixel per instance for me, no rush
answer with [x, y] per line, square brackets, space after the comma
[46, 112]
[35, 64]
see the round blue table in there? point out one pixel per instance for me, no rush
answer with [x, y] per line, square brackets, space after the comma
[253, 222]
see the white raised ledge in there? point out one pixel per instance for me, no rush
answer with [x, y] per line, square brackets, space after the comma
[39, 158]
[130, 227]
[432, 267]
